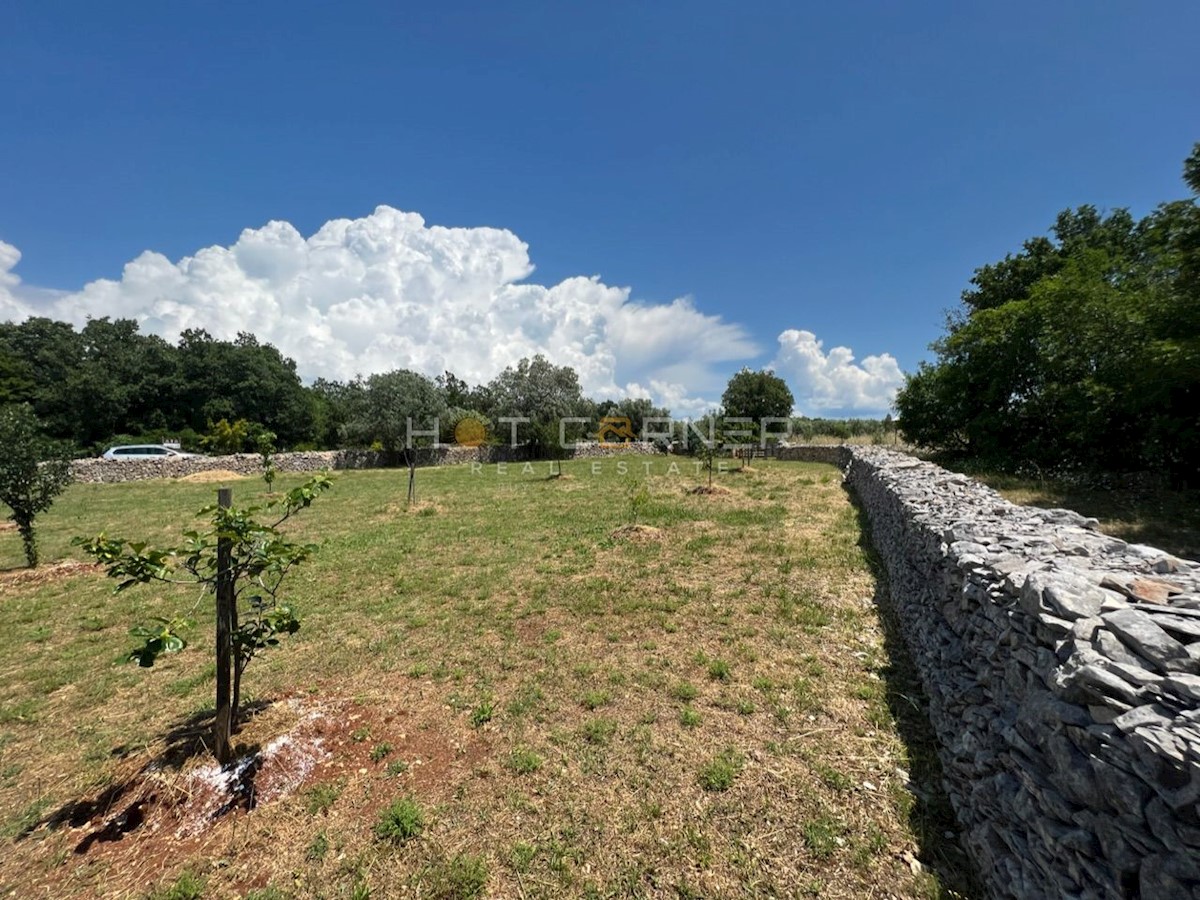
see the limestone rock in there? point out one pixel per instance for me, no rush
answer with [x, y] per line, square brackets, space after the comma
[1139, 631]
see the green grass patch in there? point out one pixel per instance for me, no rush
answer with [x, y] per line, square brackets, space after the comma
[402, 821]
[524, 761]
[719, 773]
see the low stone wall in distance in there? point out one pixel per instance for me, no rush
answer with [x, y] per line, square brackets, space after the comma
[104, 470]
[834, 454]
[1062, 668]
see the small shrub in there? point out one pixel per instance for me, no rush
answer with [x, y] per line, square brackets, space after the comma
[527, 699]
[396, 767]
[33, 471]
[522, 856]
[689, 717]
[482, 713]
[639, 500]
[839, 781]
[320, 797]
[462, 877]
[400, 822]
[820, 836]
[720, 771]
[188, 886]
[318, 847]
[380, 751]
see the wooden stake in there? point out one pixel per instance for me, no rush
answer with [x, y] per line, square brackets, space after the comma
[222, 726]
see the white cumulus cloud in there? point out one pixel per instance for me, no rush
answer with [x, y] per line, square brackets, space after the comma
[388, 291]
[832, 383]
[17, 300]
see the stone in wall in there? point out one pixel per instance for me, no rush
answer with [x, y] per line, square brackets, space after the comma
[1062, 668]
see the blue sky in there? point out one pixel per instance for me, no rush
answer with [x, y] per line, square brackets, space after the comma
[829, 172]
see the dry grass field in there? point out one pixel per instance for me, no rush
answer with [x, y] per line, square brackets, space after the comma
[511, 689]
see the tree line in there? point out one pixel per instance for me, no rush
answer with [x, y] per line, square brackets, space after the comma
[1080, 352]
[108, 383]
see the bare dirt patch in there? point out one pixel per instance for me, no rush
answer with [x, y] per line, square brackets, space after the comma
[173, 801]
[416, 508]
[212, 476]
[711, 490]
[24, 579]
[637, 533]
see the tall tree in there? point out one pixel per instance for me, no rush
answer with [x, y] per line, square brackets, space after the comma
[540, 391]
[387, 402]
[244, 379]
[757, 396]
[49, 352]
[1081, 351]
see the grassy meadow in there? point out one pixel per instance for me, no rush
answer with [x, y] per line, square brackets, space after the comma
[501, 691]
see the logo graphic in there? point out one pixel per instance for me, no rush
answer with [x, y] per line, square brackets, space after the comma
[470, 432]
[615, 430]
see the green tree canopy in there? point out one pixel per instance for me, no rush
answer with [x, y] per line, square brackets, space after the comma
[542, 392]
[1081, 351]
[757, 396]
[387, 401]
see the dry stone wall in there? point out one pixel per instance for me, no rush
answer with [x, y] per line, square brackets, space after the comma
[104, 470]
[1062, 668]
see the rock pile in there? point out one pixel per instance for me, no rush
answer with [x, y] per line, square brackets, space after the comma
[1062, 668]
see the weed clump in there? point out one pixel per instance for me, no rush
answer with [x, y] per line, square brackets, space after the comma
[400, 822]
[719, 773]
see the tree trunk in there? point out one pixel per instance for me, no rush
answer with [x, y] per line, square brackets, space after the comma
[25, 529]
[410, 457]
[239, 666]
[226, 616]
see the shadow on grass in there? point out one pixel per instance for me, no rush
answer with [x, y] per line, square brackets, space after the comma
[930, 815]
[121, 807]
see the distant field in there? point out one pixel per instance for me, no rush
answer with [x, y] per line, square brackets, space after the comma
[492, 695]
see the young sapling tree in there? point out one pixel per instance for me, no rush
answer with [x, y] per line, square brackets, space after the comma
[243, 562]
[33, 471]
[639, 499]
[265, 445]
